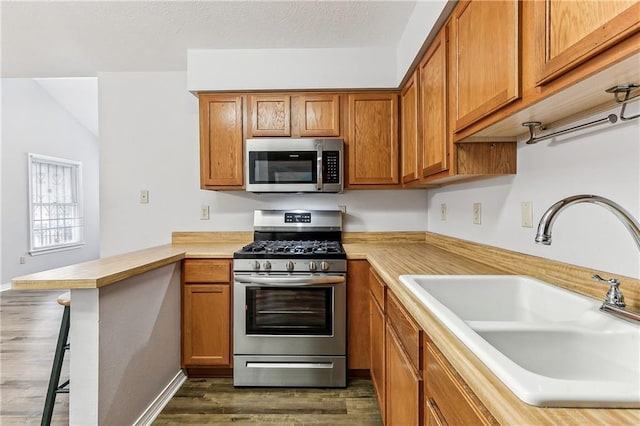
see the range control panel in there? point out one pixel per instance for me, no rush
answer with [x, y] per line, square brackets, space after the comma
[297, 217]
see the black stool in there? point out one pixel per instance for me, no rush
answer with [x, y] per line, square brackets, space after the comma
[54, 386]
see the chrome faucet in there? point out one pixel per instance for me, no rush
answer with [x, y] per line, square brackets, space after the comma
[614, 300]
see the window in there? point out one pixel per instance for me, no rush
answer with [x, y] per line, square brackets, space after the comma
[55, 204]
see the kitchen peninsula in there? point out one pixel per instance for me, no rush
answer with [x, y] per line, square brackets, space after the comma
[126, 318]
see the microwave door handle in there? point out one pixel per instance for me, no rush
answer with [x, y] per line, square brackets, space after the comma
[319, 173]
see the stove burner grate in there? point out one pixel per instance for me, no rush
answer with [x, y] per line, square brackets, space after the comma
[293, 247]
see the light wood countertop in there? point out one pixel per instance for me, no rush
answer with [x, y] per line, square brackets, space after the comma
[390, 255]
[110, 270]
[390, 260]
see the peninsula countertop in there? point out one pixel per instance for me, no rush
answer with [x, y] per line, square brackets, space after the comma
[112, 269]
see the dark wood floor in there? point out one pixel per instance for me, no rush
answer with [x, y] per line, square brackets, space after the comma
[216, 401]
[29, 324]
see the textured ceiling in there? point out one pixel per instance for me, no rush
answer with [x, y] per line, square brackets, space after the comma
[81, 38]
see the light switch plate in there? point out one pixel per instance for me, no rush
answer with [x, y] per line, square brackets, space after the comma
[144, 196]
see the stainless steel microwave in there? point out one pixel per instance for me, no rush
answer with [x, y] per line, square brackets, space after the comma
[294, 165]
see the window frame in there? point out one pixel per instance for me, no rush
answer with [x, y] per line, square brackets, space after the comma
[77, 165]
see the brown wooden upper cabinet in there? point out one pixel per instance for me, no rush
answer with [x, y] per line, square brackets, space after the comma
[575, 31]
[221, 142]
[433, 108]
[270, 115]
[373, 139]
[485, 49]
[289, 115]
[409, 131]
[318, 115]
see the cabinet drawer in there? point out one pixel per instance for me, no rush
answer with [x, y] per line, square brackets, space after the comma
[407, 330]
[377, 288]
[445, 390]
[207, 271]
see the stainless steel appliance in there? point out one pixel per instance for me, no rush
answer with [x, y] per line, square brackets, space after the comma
[294, 165]
[290, 301]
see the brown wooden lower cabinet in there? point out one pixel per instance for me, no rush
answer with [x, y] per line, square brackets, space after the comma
[432, 415]
[403, 384]
[377, 327]
[206, 313]
[358, 317]
[448, 399]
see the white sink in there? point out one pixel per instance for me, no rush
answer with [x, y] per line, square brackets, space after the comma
[550, 346]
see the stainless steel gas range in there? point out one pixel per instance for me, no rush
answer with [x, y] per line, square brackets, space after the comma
[290, 301]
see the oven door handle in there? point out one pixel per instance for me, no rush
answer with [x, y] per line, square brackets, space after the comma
[289, 281]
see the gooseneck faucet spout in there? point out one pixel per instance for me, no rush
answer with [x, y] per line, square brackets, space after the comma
[546, 222]
[614, 300]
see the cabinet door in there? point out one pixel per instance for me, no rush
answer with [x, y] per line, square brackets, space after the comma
[221, 142]
[485, 40]
[410, 133]
[451, 398]
[403, 385]
[373, 139]
[575, 31]
[358, 314]
[432, 415]
[433, 102]
[206, 337]
[270, 115]
[376, 327]
[318, 115]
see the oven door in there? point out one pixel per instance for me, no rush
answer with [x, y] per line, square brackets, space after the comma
[289, 314]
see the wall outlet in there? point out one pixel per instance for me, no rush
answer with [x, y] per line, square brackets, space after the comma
[526, 214]
[443, 211]
[204, 212]
[22, 260]
[144, 196]
[343, 209]
[477, 213]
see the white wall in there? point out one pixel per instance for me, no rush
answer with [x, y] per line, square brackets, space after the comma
[149, 140]
[258, 69]
[33, 122]
[424, 17]
[602, 161]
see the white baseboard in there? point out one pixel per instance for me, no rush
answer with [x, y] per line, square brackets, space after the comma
[161, 400]
[5, 287]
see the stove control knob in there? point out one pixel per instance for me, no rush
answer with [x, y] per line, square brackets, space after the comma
[266, 265]
[313, 266]
[255, 265]
[289, 266]
[324, 266]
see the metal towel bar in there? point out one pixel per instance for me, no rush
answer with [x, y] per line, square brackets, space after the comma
[611, 118]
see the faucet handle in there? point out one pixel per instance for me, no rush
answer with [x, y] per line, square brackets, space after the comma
[614, 295]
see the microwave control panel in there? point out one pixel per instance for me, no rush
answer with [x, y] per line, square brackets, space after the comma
[330, 167]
